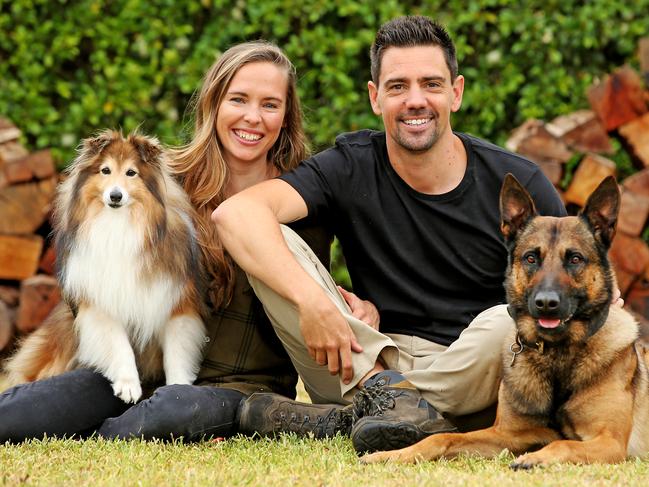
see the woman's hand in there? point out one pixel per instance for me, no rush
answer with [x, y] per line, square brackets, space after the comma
[361, 309]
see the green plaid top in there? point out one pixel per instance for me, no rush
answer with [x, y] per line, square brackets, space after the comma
[244, 352]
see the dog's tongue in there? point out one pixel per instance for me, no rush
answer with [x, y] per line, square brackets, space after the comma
[548, 323]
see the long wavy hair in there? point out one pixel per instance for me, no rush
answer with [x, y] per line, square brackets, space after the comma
[200, 164]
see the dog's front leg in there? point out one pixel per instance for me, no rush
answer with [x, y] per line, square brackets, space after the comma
[604, 448]
[104, 346]
[183, 339]
[488, 442]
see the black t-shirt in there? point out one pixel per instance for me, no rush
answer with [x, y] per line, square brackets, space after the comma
[429, 263]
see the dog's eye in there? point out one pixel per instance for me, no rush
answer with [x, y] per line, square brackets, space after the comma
[530, 258]
[576, 259]
[105, 170]
[130, 173]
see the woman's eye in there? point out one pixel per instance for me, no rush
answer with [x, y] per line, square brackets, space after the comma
[105, 170]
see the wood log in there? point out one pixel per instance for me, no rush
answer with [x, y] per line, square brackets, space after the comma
[634, 210]
[581, 131]
[591, 171]
[630, 258]
[618, 99]
[636, 135]
[24, 207]
[48, 261]
[6, 326]
[38, 296]
[8, 131]
[19, 255]
[10, 151]
[637, 297]
[553, 170]
[41, 164]
[534, 141]
[9, 295]
[638, 182]
[17, 171]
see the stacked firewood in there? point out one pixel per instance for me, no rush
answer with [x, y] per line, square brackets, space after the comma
[28, 290]
[619, 111]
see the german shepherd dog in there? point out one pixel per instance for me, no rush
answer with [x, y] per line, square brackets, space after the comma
[129, 269]
[575, 384]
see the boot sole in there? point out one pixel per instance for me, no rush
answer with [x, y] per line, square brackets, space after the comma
[374, 436]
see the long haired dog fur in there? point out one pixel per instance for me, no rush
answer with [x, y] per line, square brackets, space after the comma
[129, 269]
[575, 384]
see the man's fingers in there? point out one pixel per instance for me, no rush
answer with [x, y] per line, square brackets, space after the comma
[347, 372]
[332, 361]
[321, 357]
[355, 346]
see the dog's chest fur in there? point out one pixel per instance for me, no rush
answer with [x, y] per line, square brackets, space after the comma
[106, 268]
[541, 385]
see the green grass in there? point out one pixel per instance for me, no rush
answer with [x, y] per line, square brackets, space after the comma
[285, 461]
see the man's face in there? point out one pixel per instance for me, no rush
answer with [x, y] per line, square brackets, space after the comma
[415, 96]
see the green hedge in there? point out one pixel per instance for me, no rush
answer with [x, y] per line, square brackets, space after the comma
[68, 68]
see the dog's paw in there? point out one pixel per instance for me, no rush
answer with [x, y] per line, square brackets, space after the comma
[377, 457]
[527, 462]
[128, 390]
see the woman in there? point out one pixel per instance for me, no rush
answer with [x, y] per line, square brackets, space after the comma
[248, 128]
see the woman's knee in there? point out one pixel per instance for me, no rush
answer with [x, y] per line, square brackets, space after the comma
[175, 411]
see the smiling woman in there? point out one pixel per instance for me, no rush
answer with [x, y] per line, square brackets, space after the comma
[251, 115]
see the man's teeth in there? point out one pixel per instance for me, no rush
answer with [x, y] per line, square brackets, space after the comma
[247, 136]
[417, 121]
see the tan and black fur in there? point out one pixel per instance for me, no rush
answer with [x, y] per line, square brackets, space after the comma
[575, 384]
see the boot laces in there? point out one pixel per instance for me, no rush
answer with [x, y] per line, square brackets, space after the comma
[373, 401]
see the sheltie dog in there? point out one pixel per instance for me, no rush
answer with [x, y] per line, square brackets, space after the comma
[129, 269]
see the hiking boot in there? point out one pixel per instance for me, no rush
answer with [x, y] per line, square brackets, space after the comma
[269, 414]
[392, 414]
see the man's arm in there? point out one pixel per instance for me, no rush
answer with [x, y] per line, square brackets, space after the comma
[248, 225]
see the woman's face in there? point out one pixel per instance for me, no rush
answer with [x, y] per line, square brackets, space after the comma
[251, 113]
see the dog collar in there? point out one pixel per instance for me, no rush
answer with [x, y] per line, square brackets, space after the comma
[519, 345]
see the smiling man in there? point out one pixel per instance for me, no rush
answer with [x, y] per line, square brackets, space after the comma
[417, 346]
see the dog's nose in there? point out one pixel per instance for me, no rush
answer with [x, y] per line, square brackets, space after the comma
[547, 301]
[115, 196]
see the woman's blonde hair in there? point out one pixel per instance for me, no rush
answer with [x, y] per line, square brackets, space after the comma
[201, 166]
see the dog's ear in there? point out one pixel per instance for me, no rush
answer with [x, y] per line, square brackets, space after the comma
[148, 148]
[601, 210]
[93, 146]
[516, 207]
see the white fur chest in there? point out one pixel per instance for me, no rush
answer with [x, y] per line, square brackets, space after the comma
[104, 269]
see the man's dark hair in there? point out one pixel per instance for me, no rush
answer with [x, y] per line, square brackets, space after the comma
[411, 31]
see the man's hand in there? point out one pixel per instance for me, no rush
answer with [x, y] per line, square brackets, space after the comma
[361, 309]
[617, 298]
[328, 337]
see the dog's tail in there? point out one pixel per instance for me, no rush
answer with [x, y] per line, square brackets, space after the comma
[48, 351]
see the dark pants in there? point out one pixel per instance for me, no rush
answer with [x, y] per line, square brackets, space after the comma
[81, 403]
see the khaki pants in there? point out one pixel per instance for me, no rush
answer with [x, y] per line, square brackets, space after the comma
[459, 379]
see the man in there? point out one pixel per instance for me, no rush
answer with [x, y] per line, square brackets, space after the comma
[416, 211]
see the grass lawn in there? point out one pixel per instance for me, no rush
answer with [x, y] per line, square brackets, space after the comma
[285, 461]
